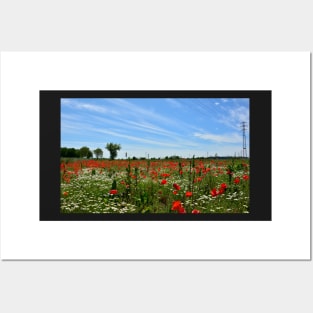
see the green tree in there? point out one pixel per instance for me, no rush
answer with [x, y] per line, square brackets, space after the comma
[64, 151]
[89, 154]
[72, 153]
[98, 153]
[113, 148]
[85, 152]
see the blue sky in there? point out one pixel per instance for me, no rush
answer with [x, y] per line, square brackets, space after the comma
[157, 127]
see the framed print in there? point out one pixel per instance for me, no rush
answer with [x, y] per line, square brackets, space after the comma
[155, 156]
[164, 170]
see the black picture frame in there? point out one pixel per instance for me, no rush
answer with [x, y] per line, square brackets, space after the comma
[260, 154]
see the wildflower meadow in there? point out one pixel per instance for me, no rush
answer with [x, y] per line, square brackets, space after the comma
[181, 186]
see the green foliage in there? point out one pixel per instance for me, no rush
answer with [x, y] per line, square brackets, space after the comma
[85, 152]
[196, 184]
[114, 185]
[69, 153]
[113, 148]
[98, 153]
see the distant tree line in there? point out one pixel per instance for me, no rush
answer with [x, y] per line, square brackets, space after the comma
[85, 152]
[113, 148]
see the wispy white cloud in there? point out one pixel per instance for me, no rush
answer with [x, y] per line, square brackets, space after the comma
[79, 143]
[127, 124]
[174, 103]
[72, 127]
[71, 117]
[200, 126]
[146, 132]
[124, 112]
[93, 108]
[85, 105]
[131, 109]
[134, 138]
[148, 127]
[239, 114]
[233, 117]
[226, 138]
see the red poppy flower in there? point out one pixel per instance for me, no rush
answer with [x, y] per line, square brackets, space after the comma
[188, 193]
[237, 180]
[65, 193]
[214, 192]
[165, 175]
[194, 211]
[176, 205]
[175, 192]
[177, 187]
[113, 192]
[223, 186]
[164, 181]
[181, 210]
[245, 177]
[221, 191]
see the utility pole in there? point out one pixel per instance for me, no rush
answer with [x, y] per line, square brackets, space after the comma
[244, 146]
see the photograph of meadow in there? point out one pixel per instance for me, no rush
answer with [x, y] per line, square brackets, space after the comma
[154, 155]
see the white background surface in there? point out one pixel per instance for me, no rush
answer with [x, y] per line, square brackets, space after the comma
[256, 286]
[25, 237]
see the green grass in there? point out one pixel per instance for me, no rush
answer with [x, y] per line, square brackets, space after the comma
[147, 187]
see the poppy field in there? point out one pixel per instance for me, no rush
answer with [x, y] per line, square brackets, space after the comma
[181, 186]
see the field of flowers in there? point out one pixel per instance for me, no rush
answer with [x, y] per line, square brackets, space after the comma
[155, 186]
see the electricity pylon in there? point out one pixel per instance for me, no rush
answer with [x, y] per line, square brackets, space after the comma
[244, 145]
